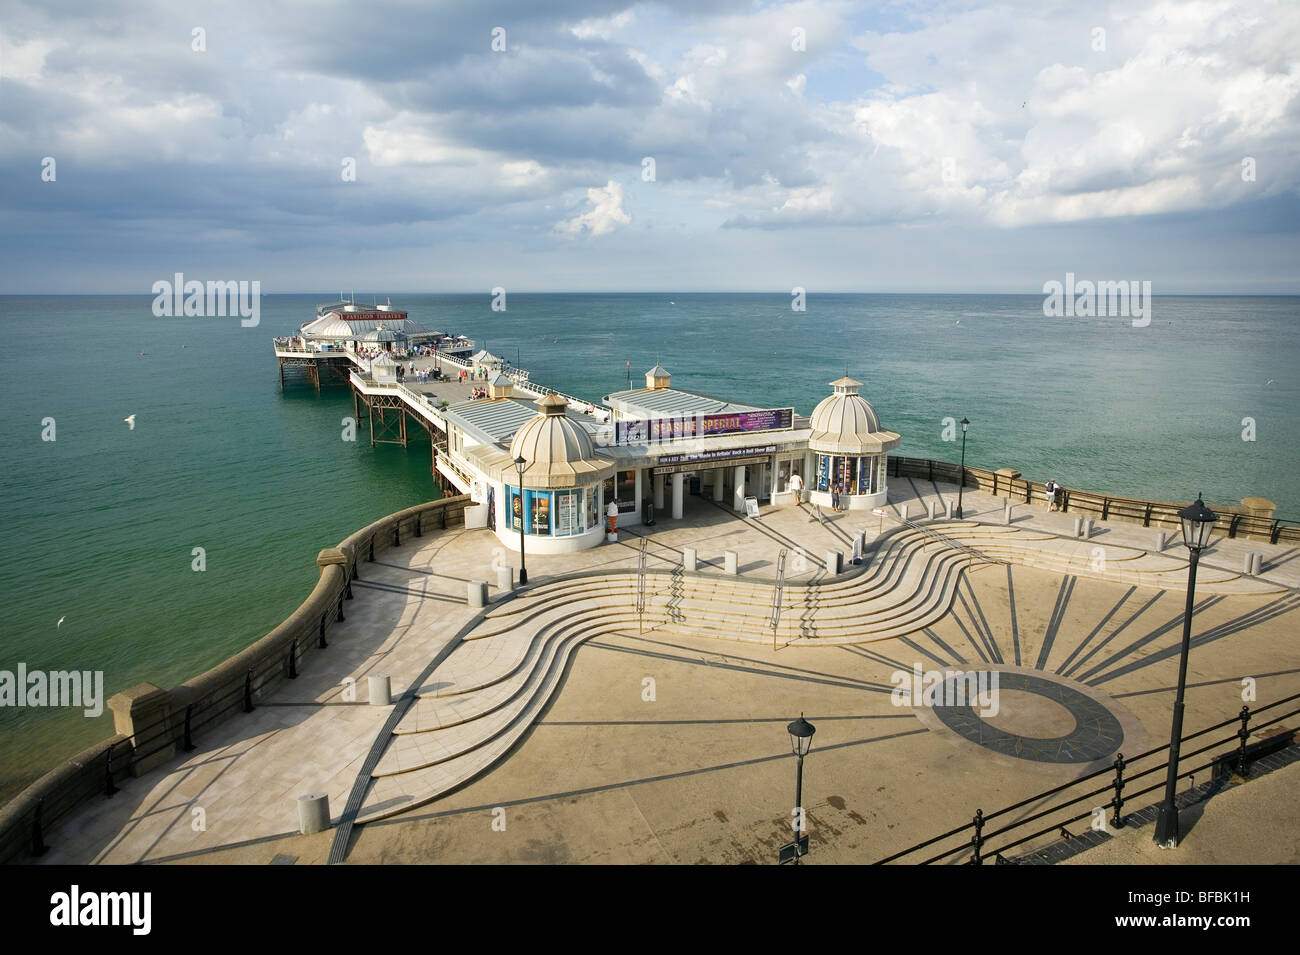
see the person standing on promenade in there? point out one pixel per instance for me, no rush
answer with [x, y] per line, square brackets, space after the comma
[1051, 489]
[796, 488]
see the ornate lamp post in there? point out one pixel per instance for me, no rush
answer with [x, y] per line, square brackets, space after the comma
[801, 734]
[1198, 522]
[964, 425]
[521, 466]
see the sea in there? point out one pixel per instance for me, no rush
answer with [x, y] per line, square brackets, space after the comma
[151, 552]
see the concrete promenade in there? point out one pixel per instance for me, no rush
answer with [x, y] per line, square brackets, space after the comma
[561, 726]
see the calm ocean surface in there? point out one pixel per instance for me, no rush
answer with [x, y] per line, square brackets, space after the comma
[102, 522]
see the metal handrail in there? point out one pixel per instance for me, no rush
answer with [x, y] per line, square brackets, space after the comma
[980, 838]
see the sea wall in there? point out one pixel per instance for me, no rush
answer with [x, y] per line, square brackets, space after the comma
[1252, 519]
[154, 724]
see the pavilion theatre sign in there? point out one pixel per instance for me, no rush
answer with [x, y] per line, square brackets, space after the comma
[654, 430]
[714, 455]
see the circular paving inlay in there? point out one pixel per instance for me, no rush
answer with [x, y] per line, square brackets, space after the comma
[1031, 717]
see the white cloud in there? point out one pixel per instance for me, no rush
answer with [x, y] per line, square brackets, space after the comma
[605, 215]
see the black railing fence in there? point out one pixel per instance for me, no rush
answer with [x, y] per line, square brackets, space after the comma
[974, 837]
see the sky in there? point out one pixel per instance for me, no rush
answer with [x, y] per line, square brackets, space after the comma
[684, 145]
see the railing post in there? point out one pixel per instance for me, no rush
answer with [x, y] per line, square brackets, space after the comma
[1243, 734]
[109, 788]
[189, 738]
[419, 524]
[293, 662]
[341, 618]
[977, 840]
[39, 848]
[372, 548]
[1118, 802]
[397, 533]
[248, 691]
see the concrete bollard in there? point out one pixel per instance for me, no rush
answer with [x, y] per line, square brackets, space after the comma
[934, 508]
[952, 507]
[688, 558]
[859, 547]
[731, 562]
[1087, 528]
[1006, 513]
[477, 593]
[1160, 540]
[1254, 563]
[381, 691]
[505, 579]
[1078, 527]
[834, 562]
[903, 510]
[313, 813]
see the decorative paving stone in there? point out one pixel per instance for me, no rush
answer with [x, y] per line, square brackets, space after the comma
[1097, 732]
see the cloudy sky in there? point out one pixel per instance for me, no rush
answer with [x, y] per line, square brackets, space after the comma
[678, 145]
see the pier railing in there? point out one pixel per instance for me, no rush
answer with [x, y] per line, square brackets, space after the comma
[1235, 520]
[154, 725]
[1097, 800]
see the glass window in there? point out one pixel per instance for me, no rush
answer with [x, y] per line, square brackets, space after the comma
[627, 502]
[592, 517]
[539, 512]
[568, 513]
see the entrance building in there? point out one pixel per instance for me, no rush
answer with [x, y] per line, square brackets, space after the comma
[647, 451]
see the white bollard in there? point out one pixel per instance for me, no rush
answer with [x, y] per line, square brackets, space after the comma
[1160, 540]
[1258, 566]
[730, 562]
[934, 508]
[1078, 527]
[1254, 563]
[903, 512]
[834, 562]
[1006, 512]
[952, 508]
[313, 813]
[381, 691]
[476, 593]
[688, 558]
[1087, 528]
[505, 579]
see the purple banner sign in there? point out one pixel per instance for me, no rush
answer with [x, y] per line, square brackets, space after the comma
[651, 430]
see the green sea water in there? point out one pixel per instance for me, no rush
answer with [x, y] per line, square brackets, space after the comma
[102, 522]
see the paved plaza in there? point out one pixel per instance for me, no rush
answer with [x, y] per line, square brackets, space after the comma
[561, 725]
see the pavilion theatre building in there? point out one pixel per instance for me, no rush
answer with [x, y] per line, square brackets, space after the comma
[648, 451]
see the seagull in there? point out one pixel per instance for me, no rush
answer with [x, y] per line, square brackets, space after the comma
[130, 421]
[60, 623]
[958, 322]
[1270, 381]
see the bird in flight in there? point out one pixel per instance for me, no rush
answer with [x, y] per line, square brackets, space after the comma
[130, 421]
[60, 623]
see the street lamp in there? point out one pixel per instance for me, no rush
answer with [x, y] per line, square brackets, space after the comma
[801, 734]
[521, 466]
[964, 425]
[1198, 522]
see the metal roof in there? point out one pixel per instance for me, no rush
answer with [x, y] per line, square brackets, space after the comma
[670, 403]
[496, 421]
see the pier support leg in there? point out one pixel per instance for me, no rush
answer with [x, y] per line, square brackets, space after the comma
[678, 480]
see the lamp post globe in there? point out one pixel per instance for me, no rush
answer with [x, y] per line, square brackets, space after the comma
[521, 466]
[1198, 523]
[962, 487]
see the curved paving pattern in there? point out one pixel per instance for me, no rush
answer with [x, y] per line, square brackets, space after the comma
[1097, 734]
[484, 698]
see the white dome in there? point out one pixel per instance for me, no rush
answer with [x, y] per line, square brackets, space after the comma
[845, 423]
[558, 450]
